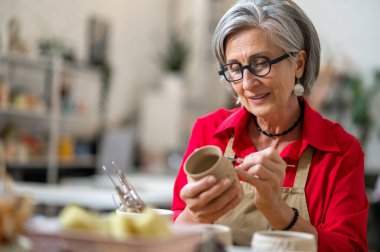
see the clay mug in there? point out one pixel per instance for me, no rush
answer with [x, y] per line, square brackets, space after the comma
[209, 160]
[283, 241]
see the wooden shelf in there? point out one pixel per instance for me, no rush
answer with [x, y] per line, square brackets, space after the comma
[25, 114]
[42, 76]
[36, 63]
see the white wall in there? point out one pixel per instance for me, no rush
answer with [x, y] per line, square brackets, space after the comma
[349, 32]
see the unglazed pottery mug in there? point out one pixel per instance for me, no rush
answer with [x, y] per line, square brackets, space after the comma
[283, 241]
[221, 232]
[209, 160]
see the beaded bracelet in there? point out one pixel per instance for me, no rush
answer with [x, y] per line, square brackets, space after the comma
[294, 221]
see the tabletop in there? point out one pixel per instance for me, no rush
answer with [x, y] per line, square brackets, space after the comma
[96, 192]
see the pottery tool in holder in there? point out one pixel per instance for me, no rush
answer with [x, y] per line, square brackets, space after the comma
[128, 197]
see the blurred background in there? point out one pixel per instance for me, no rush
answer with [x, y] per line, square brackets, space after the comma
[84, 83]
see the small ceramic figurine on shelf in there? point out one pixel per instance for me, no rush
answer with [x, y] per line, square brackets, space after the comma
[15, 42]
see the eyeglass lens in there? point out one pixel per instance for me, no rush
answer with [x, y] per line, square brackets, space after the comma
[259, 66]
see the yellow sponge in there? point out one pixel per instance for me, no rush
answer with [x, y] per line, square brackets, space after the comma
[146, 225]
[121, 227]
[151, 225]
[74, 217]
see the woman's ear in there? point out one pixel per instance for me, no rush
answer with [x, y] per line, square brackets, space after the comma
[300, 61]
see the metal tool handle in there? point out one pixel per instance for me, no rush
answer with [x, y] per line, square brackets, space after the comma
[128, 196]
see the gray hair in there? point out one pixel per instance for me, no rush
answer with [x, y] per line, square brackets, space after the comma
[283, 21]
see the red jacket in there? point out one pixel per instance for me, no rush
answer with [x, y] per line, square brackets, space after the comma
[335, 190]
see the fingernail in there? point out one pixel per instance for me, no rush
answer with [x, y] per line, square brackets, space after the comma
[211, 179]
[226, 181]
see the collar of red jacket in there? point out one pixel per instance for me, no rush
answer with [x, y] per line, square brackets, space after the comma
[316, 130]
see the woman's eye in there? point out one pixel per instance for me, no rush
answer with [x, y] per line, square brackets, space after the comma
[235, 68]
[259, 63]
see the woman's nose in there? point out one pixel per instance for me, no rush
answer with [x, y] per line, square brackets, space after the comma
[249, 79]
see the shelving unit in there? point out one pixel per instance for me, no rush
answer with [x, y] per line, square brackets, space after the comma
[42, 80]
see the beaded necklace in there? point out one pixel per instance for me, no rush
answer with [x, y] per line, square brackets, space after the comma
[268, 134]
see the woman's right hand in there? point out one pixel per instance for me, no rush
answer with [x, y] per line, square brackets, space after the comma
[207, 200]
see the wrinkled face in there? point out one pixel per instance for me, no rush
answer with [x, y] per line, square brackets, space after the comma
[262, 95]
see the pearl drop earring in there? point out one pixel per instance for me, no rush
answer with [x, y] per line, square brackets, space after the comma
[298, 89]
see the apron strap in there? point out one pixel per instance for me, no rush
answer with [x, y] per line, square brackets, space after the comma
[303, 168]
[229, 152]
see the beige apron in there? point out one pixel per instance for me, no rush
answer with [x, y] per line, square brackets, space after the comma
[245, 219]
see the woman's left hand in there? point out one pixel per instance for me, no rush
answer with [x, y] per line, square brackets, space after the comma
[265, 170]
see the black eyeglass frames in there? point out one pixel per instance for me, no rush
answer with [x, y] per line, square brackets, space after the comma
[259, 66]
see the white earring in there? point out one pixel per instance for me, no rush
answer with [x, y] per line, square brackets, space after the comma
[298, 89]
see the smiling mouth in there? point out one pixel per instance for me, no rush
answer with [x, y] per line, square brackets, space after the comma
[258, 97]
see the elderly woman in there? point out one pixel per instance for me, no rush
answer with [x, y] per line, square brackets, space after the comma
[301, 172]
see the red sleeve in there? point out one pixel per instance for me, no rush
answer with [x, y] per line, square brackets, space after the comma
[203, 133]
[178, 204]
[345, 219]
